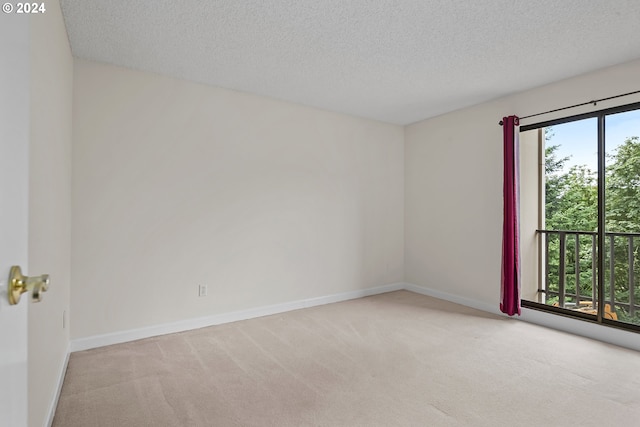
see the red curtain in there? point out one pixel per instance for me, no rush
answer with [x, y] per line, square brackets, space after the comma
[510, 282]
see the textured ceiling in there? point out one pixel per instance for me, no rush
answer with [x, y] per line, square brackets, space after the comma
[397, 61]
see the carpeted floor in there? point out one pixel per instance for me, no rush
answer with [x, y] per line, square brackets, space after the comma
[397, 359]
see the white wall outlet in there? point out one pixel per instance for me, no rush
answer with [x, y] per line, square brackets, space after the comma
[202, 290]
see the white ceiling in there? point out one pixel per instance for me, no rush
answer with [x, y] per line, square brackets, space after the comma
[397, 61]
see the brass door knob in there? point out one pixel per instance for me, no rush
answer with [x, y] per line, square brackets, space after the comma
[19, 284]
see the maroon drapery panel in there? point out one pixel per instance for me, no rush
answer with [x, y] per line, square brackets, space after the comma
[510, 282]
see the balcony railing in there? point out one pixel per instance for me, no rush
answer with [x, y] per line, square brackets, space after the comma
[570, 260]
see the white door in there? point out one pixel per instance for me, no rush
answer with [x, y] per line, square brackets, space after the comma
[14, 163]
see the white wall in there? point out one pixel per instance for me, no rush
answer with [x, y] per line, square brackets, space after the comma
[49, 205]
[453, 182]
[177, 184]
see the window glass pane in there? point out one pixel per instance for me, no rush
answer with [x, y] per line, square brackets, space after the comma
[571, 206]
[571, 167]
[622, 216]
[564, 255]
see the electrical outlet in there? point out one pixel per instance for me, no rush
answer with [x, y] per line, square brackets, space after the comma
[64, 319]
[202, 290]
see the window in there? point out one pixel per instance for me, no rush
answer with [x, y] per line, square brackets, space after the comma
[580, 216]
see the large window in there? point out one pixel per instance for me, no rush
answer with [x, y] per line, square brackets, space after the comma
[580, 208]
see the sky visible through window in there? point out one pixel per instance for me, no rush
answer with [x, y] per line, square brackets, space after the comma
[579, 139]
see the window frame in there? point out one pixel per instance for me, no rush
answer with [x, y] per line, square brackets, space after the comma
[599, 318]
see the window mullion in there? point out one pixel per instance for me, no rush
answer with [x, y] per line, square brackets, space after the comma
[601, 216]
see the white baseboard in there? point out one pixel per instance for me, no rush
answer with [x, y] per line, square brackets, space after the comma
[597, 332]
[452, 298]
[594, 331]
[201, 322]
[56, 398]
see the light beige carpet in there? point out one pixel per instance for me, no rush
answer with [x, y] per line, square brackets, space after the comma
[397, 359]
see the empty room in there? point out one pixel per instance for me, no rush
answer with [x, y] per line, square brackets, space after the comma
[319, 213]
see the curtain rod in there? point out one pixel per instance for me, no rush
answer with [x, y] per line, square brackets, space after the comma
[594, 102]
